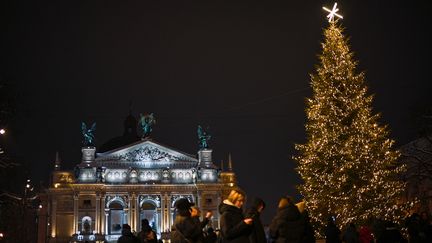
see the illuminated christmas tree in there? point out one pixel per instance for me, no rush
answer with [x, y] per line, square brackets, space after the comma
[348, 166]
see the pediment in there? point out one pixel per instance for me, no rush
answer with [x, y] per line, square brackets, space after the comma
[145, 151]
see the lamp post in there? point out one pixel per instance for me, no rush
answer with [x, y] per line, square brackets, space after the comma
[2, 132]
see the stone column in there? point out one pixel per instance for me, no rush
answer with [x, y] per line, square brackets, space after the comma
[129, 212]
[168, 213]
[159, 219]
[102, 216]
[97, 214]
[75, 204]
[106, 221]
[137, 214]
[53, 218]
[132, 211]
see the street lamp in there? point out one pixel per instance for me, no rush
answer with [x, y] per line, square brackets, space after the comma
[2, 131]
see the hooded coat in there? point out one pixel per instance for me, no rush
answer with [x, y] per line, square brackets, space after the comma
[288, 225]
[258, 234]
[127, 237]
[233, 228]
[185, 229]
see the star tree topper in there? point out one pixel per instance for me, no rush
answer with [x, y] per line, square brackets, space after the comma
[332, 13]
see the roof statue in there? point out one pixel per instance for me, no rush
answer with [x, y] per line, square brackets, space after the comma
[203, 138]
[88, 134]
[146, 122]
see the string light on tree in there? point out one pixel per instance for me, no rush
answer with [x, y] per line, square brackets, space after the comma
[332, 13]
[348, 165]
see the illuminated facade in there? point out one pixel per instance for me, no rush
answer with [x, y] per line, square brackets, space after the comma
[127, 184]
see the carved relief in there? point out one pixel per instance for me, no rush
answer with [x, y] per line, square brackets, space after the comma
[147, 154]
[122, 199]
[154, 198]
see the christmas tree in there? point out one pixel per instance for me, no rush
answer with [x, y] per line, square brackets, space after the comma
[348, 166]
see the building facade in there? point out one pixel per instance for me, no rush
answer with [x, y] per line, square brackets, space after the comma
[141, 180]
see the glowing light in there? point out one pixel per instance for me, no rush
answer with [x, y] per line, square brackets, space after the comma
[56, 185]
[2, 131]
[332, 13]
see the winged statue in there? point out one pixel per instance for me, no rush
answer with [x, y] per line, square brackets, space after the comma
[203, 138]
[88, 134]
[146, 122]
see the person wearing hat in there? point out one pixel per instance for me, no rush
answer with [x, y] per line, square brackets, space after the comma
[127, 236]
[258, 234]
[288, 224]
[185, 228]
[146, 235]
[235, 228]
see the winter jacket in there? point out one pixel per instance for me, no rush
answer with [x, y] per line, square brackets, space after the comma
[257, 235]
[185, 229]
[309, 233]
[202, 224]
[233, 228]
[365, 235]
[332, 233]
[288, 225]
[351, 235]
[127, 237]
[147, 236]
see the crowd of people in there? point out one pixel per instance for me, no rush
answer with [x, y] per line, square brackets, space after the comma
[290, 224]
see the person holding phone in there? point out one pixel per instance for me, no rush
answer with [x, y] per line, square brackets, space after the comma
[235, 228]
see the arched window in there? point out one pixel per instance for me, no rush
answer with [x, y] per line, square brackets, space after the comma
[86, 225]
[148, 211]
[117, 218]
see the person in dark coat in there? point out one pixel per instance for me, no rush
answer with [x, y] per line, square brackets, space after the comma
[351, 235]
[127, 236]
[365, 234]
[185, 228]
[288, 224]
[196, 214]
[146, 235]
[425, 228]
[211, 236]
[235, 228]
[309, 233]
[332, 232]
[413, 225]
[257, 235]
[391, 234]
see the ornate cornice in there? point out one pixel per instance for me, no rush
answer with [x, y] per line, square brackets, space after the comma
[146, 153]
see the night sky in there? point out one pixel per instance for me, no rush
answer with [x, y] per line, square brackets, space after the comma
[240, 67]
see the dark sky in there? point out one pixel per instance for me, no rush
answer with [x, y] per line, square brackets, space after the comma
[240, 67]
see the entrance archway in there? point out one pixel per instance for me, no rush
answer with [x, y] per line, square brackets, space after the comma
[148, 211]
[117, 217]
